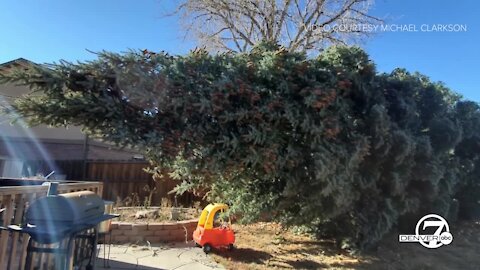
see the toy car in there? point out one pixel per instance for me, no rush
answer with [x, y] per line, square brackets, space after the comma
[213, 231]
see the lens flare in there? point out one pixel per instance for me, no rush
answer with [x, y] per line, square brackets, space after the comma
[26, 133]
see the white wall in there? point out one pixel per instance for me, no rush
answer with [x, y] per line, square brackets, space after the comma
[18, 130]
[12, 169]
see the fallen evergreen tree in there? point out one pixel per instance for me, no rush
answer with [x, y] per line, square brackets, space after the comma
[325, 143]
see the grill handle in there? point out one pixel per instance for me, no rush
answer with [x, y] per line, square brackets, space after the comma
[52, 188]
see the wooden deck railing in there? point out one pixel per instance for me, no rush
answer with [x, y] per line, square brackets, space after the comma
[14, 200]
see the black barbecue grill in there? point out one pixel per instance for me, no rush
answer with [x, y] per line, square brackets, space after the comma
[61, 221]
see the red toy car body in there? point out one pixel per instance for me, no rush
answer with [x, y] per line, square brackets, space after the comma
[209, 236]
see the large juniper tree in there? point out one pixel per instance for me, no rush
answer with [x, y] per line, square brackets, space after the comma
[325, 143]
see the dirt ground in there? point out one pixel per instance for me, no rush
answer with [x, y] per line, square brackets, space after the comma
[154, 214]
[266, 246]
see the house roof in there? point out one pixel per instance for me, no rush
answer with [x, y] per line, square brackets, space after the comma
[55, 149]
[18, 61]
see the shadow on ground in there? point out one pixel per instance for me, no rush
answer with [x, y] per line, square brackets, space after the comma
[265, 246]
[245, 255]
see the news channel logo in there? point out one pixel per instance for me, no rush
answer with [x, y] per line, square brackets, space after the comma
[423, 232]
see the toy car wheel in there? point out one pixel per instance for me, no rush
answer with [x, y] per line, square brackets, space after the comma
[207, 248]
[230, 247]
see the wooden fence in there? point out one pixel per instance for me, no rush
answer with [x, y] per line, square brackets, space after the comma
[123, 181]
[14, 200]
[127, 181]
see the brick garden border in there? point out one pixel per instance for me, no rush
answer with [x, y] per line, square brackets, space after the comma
[127, 232]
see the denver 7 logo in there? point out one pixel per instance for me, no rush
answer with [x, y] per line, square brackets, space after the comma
[440, 237]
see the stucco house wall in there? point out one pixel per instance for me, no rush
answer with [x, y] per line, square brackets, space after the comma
[20, 143]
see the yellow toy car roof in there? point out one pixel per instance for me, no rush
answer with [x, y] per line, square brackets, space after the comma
[208, 214]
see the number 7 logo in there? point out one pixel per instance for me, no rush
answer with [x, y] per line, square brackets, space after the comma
[438, 238]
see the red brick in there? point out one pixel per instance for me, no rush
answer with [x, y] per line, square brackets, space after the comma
[146, 233]
[177, 238]
[156, 226]
[166, 226]
[188, 223]
[125, 226]
[139, 227]
[154, 239]
[178, 231]
[117, 232]
[136, 238]
[163, 233]
[141, 233]
[153, 232]
[114, 225]
[130, 233]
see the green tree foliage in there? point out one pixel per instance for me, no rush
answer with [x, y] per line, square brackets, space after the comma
[324, 143]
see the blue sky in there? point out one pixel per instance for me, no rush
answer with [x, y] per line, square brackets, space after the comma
[49, 30]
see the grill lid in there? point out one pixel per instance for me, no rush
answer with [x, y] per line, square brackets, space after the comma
[54, 217]
[65, 209]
